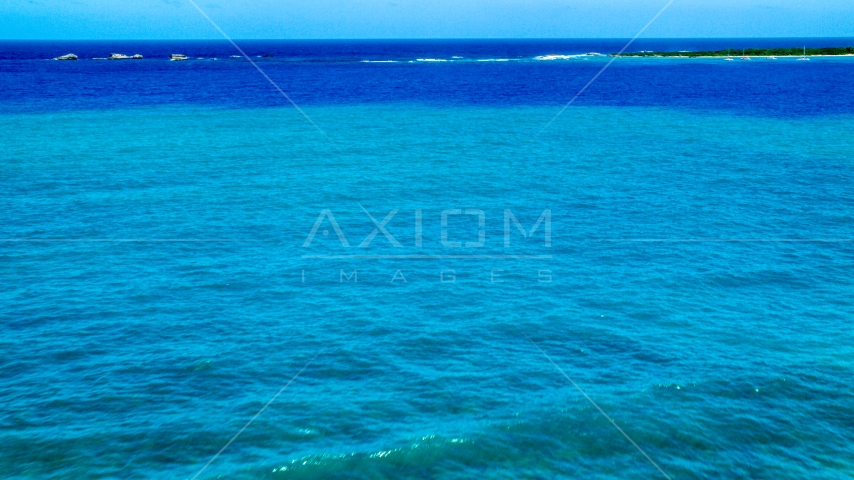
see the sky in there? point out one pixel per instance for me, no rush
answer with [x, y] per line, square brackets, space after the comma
[334, 19]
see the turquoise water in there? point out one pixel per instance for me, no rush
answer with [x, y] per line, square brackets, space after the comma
[142, 358]
[157, 290]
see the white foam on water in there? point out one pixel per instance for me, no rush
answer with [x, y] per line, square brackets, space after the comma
[431, 60]
[557, 57]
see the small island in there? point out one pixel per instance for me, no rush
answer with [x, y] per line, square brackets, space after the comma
[750, 52]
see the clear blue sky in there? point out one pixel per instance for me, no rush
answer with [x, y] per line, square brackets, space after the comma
[274, 19]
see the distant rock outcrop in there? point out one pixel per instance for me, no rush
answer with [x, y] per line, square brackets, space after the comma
[70, 56]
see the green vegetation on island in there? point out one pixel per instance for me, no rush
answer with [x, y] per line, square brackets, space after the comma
[750, 52]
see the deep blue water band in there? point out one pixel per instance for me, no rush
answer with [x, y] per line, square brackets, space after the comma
[333, 73]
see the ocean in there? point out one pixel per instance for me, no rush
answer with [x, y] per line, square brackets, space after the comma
[428, 270]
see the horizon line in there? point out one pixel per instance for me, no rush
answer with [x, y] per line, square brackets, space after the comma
[396, 39]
